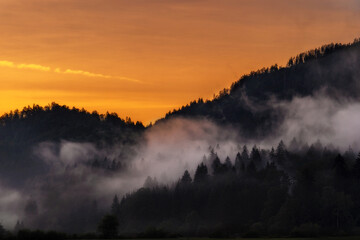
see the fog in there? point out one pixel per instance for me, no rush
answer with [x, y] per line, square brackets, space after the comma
[72, 185]
[10, 206]
[332, 121]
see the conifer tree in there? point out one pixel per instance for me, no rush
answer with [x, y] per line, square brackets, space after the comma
[186, 178]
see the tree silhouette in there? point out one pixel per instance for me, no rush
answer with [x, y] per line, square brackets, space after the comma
[186, 178]
[340, 166]
[281, 153]
[115, 206]
[108, 226]
[356, 168]
[255, 155]
[201, 173]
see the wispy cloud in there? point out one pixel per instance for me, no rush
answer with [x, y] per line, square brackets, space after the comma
[24, 66]
[7, 64]
[34, 67]
[90, 74]
[37, 67]
[85, 73]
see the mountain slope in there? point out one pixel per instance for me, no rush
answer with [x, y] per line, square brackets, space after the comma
[21, 131]
[248, 104]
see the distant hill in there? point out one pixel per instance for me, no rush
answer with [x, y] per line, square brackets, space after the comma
[21, 130]
[59, 122]
[247, 104]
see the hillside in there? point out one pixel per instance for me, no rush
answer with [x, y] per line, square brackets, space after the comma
[248, 104]
[22, 130]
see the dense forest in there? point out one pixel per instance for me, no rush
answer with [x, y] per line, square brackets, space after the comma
[24, 129]
[298, 190]
[73, 171]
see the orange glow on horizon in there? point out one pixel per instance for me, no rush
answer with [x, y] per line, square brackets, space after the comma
[143, 58]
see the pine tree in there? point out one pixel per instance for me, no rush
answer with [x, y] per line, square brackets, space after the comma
[340, 166]
[115, 206]
[245, 154]
[281, 152]
[239, 164]
[272, 155]
[228, 164]
[255, 155]
[201, 173]
[356, 167]
[186, 178]
[251, 168]
[108, 226]
[217, 167]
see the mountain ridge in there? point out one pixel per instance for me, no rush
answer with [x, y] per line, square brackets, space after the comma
[332, 68]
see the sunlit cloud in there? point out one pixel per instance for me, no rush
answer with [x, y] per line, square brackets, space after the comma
[34, 67]
[85, 73]
[24, 66]
[98, 75]
[37, 67]
[7, 64]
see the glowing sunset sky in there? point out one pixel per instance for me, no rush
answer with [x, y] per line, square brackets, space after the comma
[142, 58]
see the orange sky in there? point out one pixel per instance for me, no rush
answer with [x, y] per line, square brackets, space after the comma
[142, 58]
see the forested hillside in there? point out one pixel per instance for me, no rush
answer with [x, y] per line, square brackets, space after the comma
[248, 104]
[299, 190]
[22, 130]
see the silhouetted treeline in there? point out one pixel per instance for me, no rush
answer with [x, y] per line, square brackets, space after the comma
[297, 191]
[59, 122]
[21, 131]
[248, 104]
[320, 52]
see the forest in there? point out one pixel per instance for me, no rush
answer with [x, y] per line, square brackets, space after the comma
[275, 155]
[299, 191]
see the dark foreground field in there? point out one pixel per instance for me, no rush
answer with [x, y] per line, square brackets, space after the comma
[284, 238]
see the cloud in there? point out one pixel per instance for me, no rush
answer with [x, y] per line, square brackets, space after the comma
[34, 67]
[24, 66]
[85, 73]
[90, 74]
[323, 118]
[38, 67]
[7, 64]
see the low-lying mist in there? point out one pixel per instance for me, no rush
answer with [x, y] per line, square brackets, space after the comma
[83, 176]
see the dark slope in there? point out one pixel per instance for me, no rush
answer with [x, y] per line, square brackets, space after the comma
[56, 122]
[334, 68]
[21, 131]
